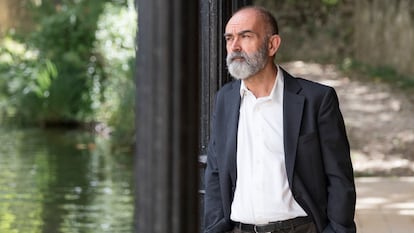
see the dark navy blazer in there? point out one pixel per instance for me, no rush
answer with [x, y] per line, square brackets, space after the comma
[317, 156]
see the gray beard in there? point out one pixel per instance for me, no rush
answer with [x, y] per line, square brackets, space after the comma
[248, 67]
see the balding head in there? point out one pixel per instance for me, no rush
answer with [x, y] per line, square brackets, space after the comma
[251, 42]
[262, 15]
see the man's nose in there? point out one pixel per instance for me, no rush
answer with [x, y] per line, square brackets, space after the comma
[235, 45]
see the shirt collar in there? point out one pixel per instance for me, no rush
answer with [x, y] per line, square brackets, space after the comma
[243, 89]
[273, 94]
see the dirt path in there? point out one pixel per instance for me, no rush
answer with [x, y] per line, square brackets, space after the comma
[379, 120]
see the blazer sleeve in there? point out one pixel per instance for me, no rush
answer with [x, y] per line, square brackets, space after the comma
[338, 166]
[213, 209]
[214, 219]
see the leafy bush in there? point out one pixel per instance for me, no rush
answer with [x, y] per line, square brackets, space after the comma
[66, 70]
[116, 44]
[53, 85]
[25, 83]
[76, 67]
[66, 37]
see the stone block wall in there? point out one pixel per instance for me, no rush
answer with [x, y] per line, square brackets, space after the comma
[384, 33]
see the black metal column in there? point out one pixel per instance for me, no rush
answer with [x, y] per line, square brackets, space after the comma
[167, 121]
[214, 15]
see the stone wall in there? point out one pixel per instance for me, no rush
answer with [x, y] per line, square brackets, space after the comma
[384, 33]
[313, 30]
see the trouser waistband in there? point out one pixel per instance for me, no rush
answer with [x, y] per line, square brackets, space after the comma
[273, 226]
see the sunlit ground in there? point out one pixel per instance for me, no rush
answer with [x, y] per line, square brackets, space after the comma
[380, 125]
[385, 205]
[378, 117]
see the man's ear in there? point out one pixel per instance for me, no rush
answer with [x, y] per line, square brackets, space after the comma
[274, 43]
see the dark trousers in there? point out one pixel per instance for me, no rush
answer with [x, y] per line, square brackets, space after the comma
[304, 228]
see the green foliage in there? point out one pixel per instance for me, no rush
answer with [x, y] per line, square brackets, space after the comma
[76, 66]
[26, 81]
[377, 73]
[54, 84]
[66, 37]
[116, 44]
[330, 2]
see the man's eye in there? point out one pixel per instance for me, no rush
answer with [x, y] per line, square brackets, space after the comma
[228, 39]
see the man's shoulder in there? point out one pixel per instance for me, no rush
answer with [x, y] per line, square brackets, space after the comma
[233, 85]
[306, 84]
[230, 85]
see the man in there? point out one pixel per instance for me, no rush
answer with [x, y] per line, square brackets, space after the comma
[278, 158]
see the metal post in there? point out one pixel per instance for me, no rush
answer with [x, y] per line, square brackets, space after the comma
[214, 15]
[167, 122]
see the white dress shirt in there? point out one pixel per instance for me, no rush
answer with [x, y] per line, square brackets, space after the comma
[262, 192]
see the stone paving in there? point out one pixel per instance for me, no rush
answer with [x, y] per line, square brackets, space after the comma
[380, 125]
[378, 117]
[385, 205]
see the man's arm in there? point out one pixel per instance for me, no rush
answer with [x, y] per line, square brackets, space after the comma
[338, 166]
[214, 220]
[213, 208]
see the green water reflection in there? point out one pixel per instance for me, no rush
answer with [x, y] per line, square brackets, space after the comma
[63, 182]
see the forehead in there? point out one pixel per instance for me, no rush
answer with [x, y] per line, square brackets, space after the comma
[244, 20]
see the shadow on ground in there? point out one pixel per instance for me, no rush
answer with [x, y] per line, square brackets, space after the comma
[379, 120]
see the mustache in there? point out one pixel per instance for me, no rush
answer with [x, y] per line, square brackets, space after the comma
[237, 55]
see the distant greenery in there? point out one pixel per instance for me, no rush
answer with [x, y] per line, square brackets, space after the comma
[76, 67]
[377, 73]
[25, 83]
[116, 44]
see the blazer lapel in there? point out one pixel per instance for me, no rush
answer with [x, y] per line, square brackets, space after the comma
[232, 103]
[292, 116]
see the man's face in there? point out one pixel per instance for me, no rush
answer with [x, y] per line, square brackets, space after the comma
[242, 65]
[247, 45]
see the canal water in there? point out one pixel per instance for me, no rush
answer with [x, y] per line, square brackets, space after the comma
[54, 181]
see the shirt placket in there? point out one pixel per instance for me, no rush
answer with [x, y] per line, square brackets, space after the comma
[258, 159]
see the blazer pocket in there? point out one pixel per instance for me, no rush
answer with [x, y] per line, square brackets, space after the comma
[307, 137]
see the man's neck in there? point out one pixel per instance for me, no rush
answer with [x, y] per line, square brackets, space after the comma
[261, 84]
